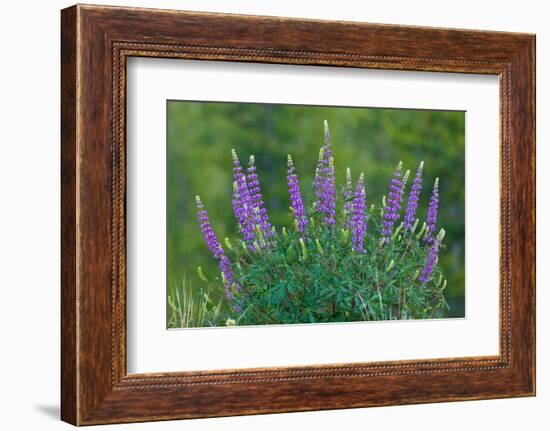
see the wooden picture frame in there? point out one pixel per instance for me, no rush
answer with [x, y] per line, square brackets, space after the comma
[95, 43]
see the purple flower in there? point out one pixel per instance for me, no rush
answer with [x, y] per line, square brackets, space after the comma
[318, 182]
[242, 202]
[432, 212]
[359, 219]
[414, 195]
[296, 202]
[327, 147]
[431, 261]
[393, 203]
[207, 232]
[348, 200]
[259, 211]
[216, 249]
[330, 194]
[228, 277]
[325, 188]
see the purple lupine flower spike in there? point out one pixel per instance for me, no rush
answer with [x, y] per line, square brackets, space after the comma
[432, 213]
[237, 209]
[259, 211]
[393, 203]
[328, 150]
[207, 232]
[330, 195]
[325, 188]
[431, 261]
[319, 183]
[348, 200]
[296, 202]
[359, 218]
[414, 196]
[228, 277]
[241, 216]
[242, 202]
[216, 249]
[330, 186]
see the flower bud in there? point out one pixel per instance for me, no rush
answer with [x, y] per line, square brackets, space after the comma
[303, 248]
[321, 153]
[319, 248]
[406, 177]
[201, 274]
[259, 234]
[415, 225]
[257, 247]
[396, 233]
[421, 231]
[345, 234]
[325, 124]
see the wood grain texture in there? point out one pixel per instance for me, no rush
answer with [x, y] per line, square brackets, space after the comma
[69, 397]
[96, 41]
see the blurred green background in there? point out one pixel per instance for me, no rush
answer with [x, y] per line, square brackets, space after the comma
[370, 140]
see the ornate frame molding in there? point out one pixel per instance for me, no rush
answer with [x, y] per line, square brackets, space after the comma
[96, 41]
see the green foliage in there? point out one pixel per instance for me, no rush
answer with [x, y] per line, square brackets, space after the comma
[319, 278]
[191, 309]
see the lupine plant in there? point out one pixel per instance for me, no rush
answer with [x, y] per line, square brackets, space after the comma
[343, 258]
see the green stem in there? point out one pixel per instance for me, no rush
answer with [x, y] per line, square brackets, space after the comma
[379, 293]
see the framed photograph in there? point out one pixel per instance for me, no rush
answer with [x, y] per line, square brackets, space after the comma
[264, 215]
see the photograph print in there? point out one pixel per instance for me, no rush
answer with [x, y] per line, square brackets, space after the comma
[292, 214]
